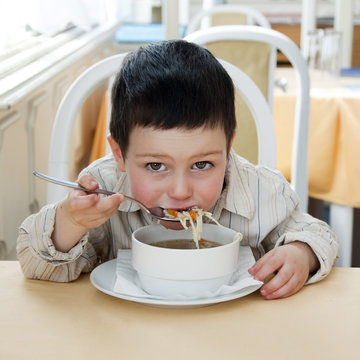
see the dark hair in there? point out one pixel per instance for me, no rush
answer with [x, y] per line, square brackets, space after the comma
[171, 84]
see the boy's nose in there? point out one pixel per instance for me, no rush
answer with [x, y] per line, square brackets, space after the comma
[180, 188]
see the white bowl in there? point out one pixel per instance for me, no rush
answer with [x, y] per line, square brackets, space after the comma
[193, 273]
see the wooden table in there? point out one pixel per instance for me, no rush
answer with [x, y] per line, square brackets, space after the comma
[45, 320]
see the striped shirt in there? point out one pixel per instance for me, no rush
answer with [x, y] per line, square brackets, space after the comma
[256, 201]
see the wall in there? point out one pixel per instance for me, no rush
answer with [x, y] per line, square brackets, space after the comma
[25, 130]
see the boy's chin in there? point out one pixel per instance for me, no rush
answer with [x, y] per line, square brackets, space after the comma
[173, 225]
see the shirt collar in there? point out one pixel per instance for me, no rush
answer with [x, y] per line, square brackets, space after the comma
[123, 186]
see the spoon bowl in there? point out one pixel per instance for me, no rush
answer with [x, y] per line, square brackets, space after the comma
[156, 212]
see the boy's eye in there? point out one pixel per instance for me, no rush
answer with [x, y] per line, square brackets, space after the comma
[155, 166]
[202, 165]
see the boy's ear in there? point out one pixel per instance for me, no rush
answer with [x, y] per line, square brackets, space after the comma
[115, 148]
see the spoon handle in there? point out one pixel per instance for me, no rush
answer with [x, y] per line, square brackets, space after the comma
[157, 212]
[70, 184]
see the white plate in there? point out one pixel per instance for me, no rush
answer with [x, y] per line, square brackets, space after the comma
[103, 276]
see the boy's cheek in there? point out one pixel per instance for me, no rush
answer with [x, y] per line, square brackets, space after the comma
[143, 190]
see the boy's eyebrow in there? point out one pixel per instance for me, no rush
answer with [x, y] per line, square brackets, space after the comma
[202, 154]
[209, 153]
[148, 154]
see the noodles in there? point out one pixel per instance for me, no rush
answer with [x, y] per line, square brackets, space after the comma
[195, 219]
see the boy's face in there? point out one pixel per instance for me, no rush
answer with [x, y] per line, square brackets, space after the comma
[176, 168]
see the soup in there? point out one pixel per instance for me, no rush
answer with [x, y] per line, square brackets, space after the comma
[185, 244]
[194, 217]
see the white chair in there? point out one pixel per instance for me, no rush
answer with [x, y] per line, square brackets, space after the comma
[253, 16]
[299, 178]
[102, 71]
[230, 16]
[75, 96]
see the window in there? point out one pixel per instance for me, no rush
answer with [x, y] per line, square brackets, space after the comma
[21, 20]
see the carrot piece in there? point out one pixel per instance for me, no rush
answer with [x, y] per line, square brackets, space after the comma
[192, 214]
[172, 212]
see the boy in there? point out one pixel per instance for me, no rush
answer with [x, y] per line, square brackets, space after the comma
[172, 126]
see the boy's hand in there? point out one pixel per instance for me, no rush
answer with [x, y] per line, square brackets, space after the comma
[293, 263]
[81, 211]
[91, 210]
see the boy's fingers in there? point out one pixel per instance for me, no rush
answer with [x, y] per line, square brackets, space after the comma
[266, 266]
[92, 210]
[282, 277]
[287, 289]
[88, 182]
[79, 202]
[259, 263]
[109, 203]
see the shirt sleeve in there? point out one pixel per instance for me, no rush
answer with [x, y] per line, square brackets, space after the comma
[40, 259]
[317, 234]
[299, 226]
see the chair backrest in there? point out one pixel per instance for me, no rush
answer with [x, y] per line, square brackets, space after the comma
[103, 70]
[66, 114]
[234, 14]
[299, 179]
[252, 16]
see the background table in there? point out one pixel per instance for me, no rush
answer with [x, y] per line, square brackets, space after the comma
[45, 320]
[334, 135]
[334, 147]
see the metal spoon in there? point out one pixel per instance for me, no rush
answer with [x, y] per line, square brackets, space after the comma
[156, 212]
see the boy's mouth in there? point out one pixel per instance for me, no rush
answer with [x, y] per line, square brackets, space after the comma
[180, 209]
[178, 212]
